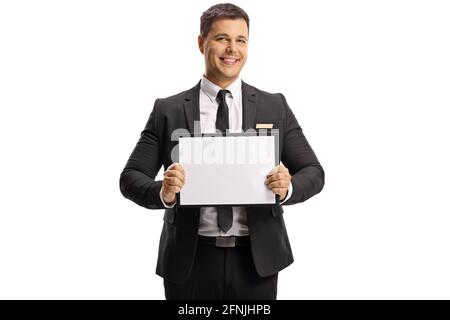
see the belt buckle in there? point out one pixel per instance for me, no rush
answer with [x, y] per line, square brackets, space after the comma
[225, 242]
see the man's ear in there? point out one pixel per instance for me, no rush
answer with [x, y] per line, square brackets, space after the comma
[200, 43]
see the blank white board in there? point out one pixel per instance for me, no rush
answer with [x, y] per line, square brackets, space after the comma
[227, 170]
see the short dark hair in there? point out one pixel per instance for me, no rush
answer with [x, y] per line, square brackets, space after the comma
[218, 11]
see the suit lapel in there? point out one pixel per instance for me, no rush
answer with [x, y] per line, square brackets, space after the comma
[192, 107]
[248, 106]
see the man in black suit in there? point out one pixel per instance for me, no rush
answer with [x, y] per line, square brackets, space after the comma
[209, 252]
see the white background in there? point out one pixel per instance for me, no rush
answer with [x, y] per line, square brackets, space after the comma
[368, 81]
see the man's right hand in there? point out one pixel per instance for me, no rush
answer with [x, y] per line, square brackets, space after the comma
[173, 181]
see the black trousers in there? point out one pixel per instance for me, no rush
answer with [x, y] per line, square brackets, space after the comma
[223, 273]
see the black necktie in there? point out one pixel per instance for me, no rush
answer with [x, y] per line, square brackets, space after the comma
[225, 215]
[222, 112]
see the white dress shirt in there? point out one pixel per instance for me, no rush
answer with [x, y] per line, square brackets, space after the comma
[208, 112]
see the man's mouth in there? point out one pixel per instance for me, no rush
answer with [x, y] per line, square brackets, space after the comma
[229, 61]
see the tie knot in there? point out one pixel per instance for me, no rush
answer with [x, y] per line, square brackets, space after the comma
[221, 95]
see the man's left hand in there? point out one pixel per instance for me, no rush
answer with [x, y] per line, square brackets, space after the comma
[279, 180]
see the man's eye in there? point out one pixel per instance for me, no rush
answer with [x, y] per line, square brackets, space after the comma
[242, 41]
[221, 38]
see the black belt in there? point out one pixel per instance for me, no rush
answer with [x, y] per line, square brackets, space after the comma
[225, 242]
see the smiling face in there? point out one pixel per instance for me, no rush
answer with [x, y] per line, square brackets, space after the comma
[225, 50]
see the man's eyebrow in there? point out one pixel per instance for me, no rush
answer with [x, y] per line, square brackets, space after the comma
[226, 35]
[221, 35]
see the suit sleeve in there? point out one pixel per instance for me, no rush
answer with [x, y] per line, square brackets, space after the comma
[308, 176]
[137, 180]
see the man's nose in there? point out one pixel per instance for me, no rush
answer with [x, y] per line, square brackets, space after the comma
[232, 47]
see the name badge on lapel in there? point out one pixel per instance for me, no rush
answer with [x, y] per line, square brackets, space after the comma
[264, 125]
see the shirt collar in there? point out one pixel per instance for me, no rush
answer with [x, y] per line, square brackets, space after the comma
[211, 89]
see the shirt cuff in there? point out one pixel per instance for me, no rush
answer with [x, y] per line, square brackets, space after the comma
[165, 204]
[289, 194]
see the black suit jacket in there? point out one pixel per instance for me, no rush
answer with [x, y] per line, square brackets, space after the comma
[269, 241]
